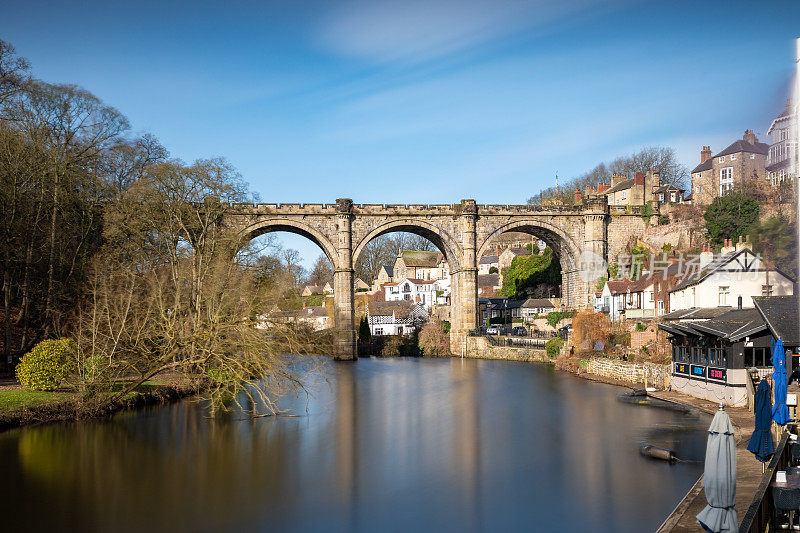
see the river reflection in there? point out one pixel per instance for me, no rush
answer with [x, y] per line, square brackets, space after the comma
[383, 445]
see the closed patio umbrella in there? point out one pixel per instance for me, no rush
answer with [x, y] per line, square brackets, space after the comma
[761, 443]
[720, 477]
[780, 413]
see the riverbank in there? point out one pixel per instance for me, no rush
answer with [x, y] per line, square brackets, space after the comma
[21, 407]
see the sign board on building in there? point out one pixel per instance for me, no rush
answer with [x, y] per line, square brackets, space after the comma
[698, 371]
[682, 368]
[717, 374]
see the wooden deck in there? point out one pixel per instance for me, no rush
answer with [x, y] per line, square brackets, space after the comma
[748, 469]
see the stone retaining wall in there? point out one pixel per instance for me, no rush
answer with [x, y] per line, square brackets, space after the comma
[479, 348]
[654, 375]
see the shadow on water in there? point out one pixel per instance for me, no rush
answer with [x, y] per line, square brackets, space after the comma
[383, 445]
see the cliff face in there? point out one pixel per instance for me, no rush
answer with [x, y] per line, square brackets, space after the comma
[681, 236]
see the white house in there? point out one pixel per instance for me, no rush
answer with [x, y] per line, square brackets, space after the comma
[412, 290]
[395, 318]
[488, 262]
[730, 279]
[534, 307]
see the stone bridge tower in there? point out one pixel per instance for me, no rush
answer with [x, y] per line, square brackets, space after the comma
[463, 232]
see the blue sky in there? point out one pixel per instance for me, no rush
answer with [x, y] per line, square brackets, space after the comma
[419, 101]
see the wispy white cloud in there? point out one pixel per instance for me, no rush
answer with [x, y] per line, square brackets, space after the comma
[418, 30]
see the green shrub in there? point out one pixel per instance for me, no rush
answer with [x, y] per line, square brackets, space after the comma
[553, 347]
[393, 347]
[46, 365]
[640, 326]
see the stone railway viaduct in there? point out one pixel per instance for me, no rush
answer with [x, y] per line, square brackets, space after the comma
[462, 232]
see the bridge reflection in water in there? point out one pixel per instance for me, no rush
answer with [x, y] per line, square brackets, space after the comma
[383, 445]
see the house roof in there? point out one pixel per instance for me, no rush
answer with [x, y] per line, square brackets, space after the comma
[621, 186]
[715, 265]
[421, 259]
[743, 146]
[781, 315]
[696, 313]
[400, 308]
[488, 280]
[669, 187]
[389, 270]
[314, 289]
[315, 311]
[415, 281]
[705, 165]
[488, 259]
[619, 286]
[730, 324]
[537, 303]
[504, 303]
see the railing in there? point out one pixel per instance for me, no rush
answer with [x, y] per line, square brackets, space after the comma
[760, 513]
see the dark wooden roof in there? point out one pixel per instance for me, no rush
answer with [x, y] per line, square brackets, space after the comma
[781, 315]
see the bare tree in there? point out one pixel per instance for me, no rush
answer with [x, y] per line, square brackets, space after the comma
[322, 272]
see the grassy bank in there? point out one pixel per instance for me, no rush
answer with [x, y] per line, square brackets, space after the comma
[21, 407]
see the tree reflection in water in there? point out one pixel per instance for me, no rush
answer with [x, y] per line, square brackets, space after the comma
[391, 445]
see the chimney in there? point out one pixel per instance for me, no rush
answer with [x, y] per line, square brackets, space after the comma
[602, 187]
[743, 243]
[616, 178]
[727, 247]
[656, 180]
[705, 154]
[638, 178]
[750, 137]
[578, 198]
[706, 257]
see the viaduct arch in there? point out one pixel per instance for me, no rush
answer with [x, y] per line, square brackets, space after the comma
[462, 232]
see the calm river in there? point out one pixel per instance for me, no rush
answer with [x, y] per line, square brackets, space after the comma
[384, 445]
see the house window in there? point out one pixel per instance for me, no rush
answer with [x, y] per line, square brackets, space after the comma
[672, 197]
[721, 159]
[724, 292]
[766, 290]
[725, 180]
[733, 157]
[378, 331]
[698, 189]
[694, 297]
[623, 195]
[752, 156]
[406, 297]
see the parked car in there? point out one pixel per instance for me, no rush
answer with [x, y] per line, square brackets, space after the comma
[493, 330]
[519, 331]
[563, 331]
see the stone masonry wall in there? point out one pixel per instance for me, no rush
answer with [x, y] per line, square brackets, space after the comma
[654, 375]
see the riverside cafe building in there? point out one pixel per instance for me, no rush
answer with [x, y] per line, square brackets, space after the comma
[714, 348]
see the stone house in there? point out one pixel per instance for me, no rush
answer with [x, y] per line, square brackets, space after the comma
[533, 307]
[508, 255]
[310, 290]
[359, 285]
[489, 284]
[486, 263]
[718, 174]
[385, 275]
[424, 265]
[629, 191]
[669, 194]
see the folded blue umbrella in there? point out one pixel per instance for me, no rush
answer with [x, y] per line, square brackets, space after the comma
[761, 443]
[780, 413]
